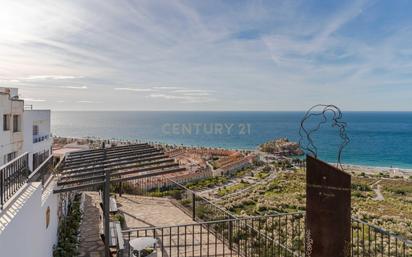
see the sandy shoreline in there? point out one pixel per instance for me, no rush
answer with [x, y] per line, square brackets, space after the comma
[375, 170]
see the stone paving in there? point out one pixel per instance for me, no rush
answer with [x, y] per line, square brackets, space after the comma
[141, 211]
[192, 240]
[91, 244]
[146, 212]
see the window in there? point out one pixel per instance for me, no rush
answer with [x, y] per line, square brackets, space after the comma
[16, 123]
[9, 157]
[35, 130]
[6, 122]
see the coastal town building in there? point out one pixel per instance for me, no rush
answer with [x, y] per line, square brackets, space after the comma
[37, 138]
[235, 165]
[11, 135]
[23, 130]
[29, 211]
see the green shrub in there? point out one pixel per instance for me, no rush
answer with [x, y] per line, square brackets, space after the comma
[68, 242]
[399, 191]
[267, 168]
[361, 187]
[119, 217]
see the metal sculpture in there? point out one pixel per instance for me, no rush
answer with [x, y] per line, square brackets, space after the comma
[306, 133]
[328, 190]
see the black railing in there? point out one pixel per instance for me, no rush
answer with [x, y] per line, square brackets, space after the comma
[284, 232]
[248, 237]
[189, 201]
[288, 237]
[44, 171]
[369, 240]
[13, 176]
[39, 158]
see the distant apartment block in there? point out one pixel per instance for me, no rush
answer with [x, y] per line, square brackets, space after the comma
[23, 130]
[235, 165]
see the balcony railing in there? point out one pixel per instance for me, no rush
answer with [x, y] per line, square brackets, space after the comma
[43, 172]
[13, 176]
[283, 234]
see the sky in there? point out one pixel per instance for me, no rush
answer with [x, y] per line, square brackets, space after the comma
[208, 55]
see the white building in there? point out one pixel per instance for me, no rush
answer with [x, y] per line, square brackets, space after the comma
[29, 223]
[29, 211]
[23, 130]
[11, 135]
[37, 139]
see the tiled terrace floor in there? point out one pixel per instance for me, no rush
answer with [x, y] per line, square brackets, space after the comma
[150, 212]
[141, 211]
[192, 241]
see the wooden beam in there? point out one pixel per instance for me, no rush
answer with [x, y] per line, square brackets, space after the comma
[69, 164]
[94, 184]
[94, 154]
[126, 172]
[116, 168]
[111, 156]
[117, 162]
[82, 152]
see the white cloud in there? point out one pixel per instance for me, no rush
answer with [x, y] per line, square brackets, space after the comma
[197, 94]
[75, 87]
[7, 81]
[165, 96]
[183, 98]
[193, 91]
[55, 77]
[166, 88]
[86, 102]
[134, 89]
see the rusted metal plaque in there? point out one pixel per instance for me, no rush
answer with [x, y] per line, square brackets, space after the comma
[328, 210]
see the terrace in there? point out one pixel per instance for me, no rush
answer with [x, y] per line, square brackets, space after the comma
[182, 222]
[270, 235]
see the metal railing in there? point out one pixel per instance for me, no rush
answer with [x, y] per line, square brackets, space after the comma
[13, 176]
[28, 107]
[248, 237]
[198, 207]
[366, 240]
[369, 240]
[43, 172]
[285, 232]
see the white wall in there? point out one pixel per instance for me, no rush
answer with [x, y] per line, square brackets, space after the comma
[23, 231]
[10, 141]
[41, 118]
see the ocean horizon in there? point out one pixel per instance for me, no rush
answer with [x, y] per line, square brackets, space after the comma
[380, 139]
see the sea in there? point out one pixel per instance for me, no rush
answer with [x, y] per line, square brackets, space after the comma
[381, 139]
